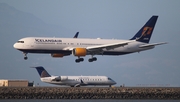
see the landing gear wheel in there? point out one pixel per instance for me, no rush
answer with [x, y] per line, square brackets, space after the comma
[92, 59]
[79, 60]
[25, 58]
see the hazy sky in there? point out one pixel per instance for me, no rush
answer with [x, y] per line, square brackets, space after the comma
[119, 19]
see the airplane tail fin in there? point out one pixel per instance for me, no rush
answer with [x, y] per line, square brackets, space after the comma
[76, 35]
[42, 72]
[144, 34]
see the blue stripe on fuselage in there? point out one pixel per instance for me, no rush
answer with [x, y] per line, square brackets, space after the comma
[69, 52]
[46, 51]
[115, 53]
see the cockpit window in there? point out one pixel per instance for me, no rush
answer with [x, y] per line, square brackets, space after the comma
[109, 79]
[20, 41]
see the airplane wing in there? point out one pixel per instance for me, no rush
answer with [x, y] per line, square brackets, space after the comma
[150, 45]
[77, 85]
[105, 46]
[80, 83]
[109, 46]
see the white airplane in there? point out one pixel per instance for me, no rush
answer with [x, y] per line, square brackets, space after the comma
[74, 81]
[80, 47]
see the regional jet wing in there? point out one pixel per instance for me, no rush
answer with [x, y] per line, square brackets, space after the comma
[150, 45]
[108, 46]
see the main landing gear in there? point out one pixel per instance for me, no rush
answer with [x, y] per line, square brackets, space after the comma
[92, 59]
[82, 59]
[25, 56]
[79, 60]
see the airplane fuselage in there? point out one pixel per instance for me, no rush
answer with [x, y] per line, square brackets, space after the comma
[75, 81]
[65, 45]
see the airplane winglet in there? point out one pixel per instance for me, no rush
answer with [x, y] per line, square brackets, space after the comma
[82, 82]
[76, 35]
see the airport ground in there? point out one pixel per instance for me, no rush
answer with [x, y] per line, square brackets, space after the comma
[171, 93]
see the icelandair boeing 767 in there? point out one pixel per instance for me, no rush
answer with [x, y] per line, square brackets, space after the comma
[73, 81]
[80, 47]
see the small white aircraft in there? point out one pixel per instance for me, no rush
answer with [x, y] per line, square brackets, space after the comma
[74, 81]
[80, 47]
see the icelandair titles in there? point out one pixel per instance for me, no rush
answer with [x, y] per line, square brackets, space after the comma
[47, 40]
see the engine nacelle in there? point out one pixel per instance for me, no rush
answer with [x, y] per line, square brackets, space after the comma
[57, 55]
[79, 52]
[59, 78]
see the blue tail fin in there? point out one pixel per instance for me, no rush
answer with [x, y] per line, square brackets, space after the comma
[76, 35]
[42, 72]
[144, 34]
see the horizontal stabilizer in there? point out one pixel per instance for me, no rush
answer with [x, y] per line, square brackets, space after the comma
[153, 44]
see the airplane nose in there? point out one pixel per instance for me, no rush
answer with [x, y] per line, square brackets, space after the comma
[114, 82]
[15, 46]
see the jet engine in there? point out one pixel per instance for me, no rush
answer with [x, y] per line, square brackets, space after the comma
[56, 55]
[79, 52]
[60, 78]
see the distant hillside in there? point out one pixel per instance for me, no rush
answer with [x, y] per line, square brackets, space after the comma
[11, 16]
[21, 24]
[15, 24]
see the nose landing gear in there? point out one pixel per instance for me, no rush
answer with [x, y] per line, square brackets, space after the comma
[25, 56]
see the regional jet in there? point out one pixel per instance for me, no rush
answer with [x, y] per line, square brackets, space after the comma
[74, 81]
[60, 47]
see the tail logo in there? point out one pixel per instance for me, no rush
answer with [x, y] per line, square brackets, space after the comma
[147, 31]
[44, 74]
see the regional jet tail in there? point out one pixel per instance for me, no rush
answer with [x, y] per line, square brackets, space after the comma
[60, 47]
[74, 81]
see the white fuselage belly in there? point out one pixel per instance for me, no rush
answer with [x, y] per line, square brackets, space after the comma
[63, 45]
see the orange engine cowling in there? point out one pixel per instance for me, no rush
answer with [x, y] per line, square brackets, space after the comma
[79, 52]
[57, 55]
